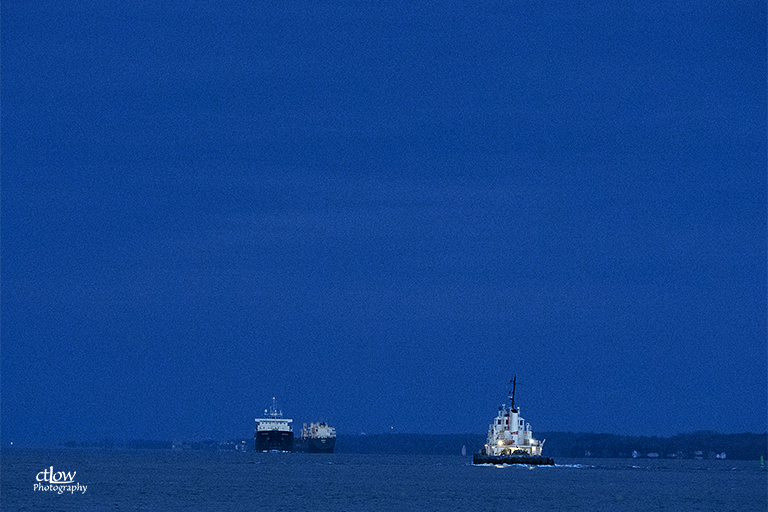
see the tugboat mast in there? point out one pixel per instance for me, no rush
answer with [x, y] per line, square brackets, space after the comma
[512, 395]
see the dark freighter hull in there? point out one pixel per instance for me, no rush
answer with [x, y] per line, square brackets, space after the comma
[314, 445]
[274, 441]
[321, 444]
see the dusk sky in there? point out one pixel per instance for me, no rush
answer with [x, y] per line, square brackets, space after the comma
[378, 213]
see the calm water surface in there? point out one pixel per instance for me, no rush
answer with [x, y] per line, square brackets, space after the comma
[197, 480]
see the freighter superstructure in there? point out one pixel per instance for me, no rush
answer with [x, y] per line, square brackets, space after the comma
[273, 432]
[510, 439]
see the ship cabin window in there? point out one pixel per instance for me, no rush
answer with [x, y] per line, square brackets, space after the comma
[521, 423]
[498, 422]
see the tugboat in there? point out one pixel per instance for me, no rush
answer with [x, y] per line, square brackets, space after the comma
[273, 432]
[317, 438]
[510, 439]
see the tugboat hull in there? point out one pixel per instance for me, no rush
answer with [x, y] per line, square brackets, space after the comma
[527, 460]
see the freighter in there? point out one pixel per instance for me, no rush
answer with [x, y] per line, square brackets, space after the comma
[273, 432]
[510, 439]
[317, 438]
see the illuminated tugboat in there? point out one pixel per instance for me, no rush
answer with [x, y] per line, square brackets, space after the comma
[510, 440]
[273, 432]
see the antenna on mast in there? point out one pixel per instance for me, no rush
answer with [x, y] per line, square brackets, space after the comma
[512, 394]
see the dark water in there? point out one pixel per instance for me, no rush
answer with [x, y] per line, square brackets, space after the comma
[197, 480]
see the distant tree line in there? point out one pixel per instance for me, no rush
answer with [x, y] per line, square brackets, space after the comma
[703, 444]
[110, 444]
[417, 444]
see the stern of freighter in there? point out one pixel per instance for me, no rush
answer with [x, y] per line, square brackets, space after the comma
[273, 432]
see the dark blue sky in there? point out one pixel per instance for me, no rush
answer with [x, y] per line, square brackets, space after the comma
[379, 213]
